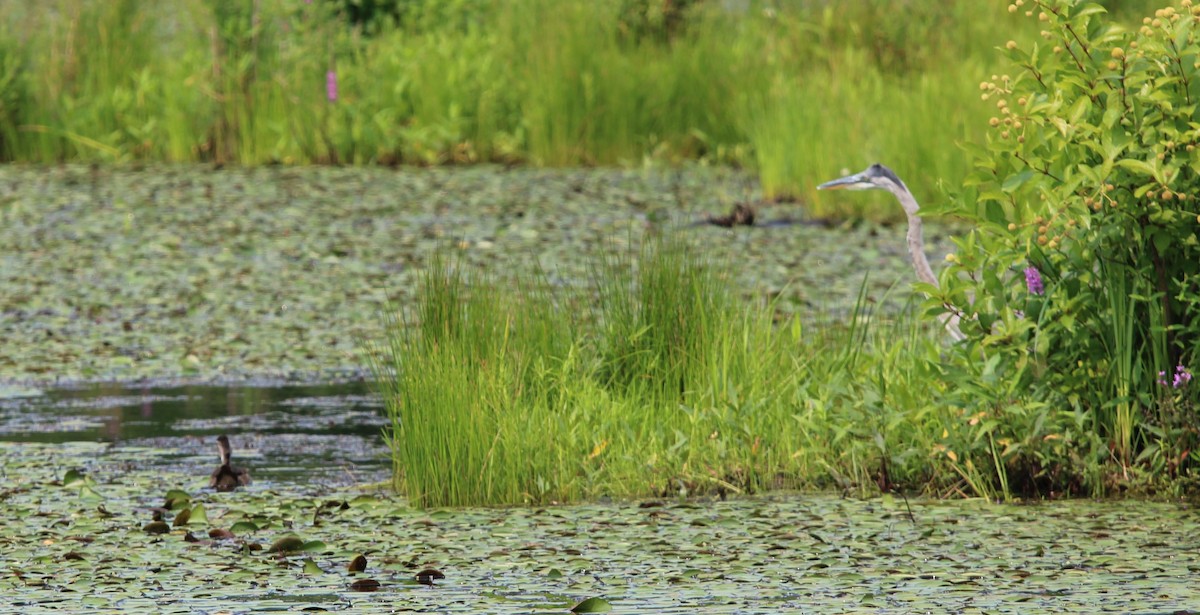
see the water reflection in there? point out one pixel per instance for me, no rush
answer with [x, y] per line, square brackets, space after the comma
[292, 432]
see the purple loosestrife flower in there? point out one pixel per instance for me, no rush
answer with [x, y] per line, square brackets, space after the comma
[1181, 378]
[1033, 281]
[331, 86]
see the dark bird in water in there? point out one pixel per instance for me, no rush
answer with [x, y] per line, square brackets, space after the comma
[227, 477]
[742, 215]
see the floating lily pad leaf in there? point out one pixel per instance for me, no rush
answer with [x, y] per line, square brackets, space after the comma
[199, 514]
[220, 534]
[177, 498]
[554, 573]
[312, 546]
[358, 564]
[242, 527]
[365, 585]
[311, 567]
[156, 527]
[592, 605]
[287, 544]
[429, 575]
[182, 518]
[74, 478]
[90, 493]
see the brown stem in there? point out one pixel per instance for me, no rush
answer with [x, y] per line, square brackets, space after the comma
[1044, 171]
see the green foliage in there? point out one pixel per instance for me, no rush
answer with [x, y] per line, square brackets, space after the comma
[798, 91]
[14, 93]
[1085, 187]
[659, 385]
[475, 376]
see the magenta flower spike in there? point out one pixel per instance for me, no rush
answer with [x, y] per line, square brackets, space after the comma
[1033, 281]
[331, 90]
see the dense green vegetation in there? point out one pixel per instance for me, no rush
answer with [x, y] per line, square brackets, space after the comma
[1077, 288]
[656, 384]
[796, 90]
[1082, 270]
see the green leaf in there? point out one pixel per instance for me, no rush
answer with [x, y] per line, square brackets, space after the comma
[592, 605]
[74, 478]
[313, 546]
[1012, 182]
[1088, 9]
[177, 498]
[287, 544]
[242, 527]
[1138, 166]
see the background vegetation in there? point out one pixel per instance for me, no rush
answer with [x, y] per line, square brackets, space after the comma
[797, 90]
[1077, 286]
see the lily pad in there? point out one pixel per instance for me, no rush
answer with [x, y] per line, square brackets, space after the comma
[592, 605]
[156, 527]
[287, 544]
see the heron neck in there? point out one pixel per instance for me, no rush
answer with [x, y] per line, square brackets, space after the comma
[916, 249]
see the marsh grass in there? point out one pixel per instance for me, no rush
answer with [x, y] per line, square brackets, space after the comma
[799, 92]
[655, 382]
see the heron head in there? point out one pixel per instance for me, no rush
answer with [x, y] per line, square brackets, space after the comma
[876, 177]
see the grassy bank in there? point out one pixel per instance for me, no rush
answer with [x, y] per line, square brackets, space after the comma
[657, 382]
[798, 91]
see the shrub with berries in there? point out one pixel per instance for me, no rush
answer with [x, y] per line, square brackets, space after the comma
[1080, 281]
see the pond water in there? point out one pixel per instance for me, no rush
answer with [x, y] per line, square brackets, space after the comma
[85, 468]
[324, 433]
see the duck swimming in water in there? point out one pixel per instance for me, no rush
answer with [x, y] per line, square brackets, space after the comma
[227, 477]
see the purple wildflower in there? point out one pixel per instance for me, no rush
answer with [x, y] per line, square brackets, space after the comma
[1033, 281]
[1182, 376]
[331, 86]
[1180, 379]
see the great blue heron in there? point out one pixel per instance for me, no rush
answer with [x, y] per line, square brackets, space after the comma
[227, 477]
[879, 177]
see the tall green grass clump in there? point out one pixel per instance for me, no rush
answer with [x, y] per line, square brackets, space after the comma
[701, 376]
[1082, 272]
[657, 381]
[470, 387]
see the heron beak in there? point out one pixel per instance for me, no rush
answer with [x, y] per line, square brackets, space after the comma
[849, 182]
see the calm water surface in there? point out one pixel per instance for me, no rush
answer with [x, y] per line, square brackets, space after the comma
[328, 434]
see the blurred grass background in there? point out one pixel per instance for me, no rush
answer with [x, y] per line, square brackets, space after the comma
[796, 90]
